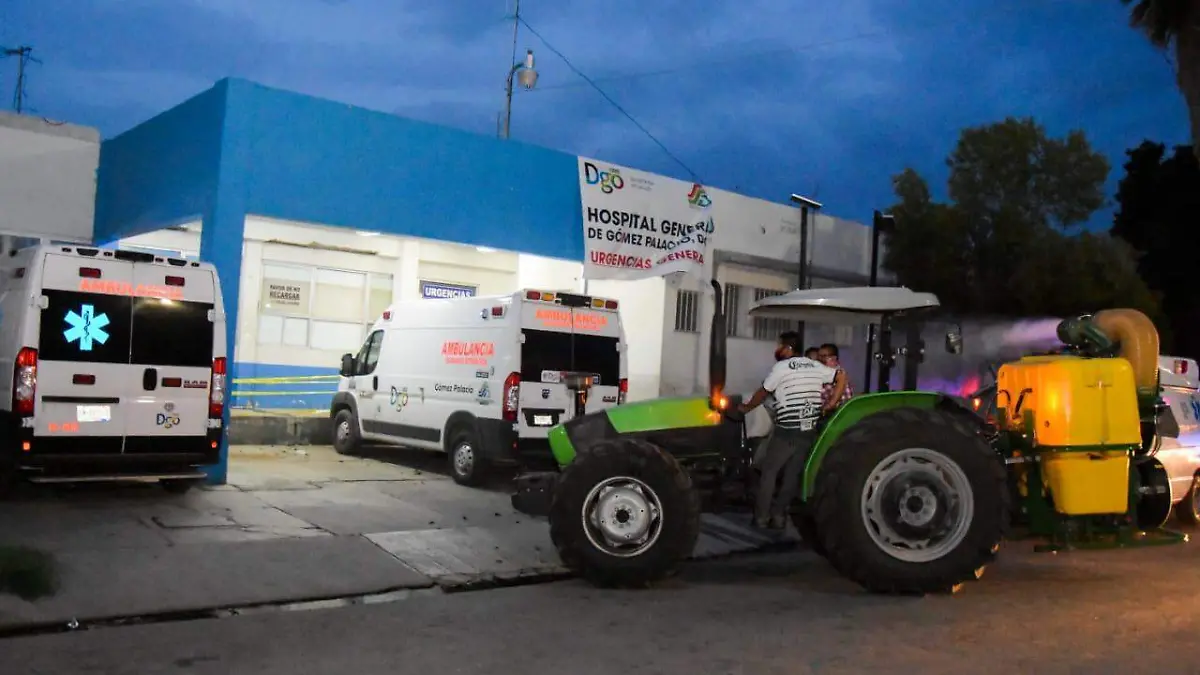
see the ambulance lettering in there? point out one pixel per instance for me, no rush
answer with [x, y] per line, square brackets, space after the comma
[473, 353]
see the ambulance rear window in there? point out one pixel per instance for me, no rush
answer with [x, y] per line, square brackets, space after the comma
[172, 333]
[84, 327]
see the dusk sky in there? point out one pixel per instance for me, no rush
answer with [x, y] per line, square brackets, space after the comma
[761, 97]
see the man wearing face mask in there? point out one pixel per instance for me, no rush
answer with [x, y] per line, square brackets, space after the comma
[797, 383]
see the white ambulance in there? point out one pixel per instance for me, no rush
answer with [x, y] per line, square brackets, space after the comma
[483, 379]
[116, 366]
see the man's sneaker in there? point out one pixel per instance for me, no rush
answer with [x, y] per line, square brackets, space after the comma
[778, 523]
[760, 523]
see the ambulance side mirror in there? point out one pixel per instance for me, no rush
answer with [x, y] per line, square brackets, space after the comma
[347, 369]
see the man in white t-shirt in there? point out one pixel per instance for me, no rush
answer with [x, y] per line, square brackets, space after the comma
[797, 383]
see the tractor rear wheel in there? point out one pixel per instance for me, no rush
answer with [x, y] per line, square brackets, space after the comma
[911, 501]
[624, 514]
[806, 527]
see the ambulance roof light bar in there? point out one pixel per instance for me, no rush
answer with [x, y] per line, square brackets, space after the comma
[594, 303]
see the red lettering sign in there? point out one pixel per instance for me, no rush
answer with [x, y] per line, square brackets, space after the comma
[125, 288]
[561, 318]
[620, 260]
[474, 353]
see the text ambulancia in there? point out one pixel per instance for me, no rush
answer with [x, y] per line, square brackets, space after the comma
[117, 363]
[483, 379]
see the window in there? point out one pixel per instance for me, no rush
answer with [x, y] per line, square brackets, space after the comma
[687, 303]
[368, 356]
[88, 327]
[171, 333]
[339, 295]
[733, 309]
[769, 329]
[319, 308]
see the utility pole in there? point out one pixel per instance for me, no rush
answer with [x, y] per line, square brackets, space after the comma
[806, 204]
[23, 54]
[508, 91]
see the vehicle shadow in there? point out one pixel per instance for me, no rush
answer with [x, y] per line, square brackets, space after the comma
[435, 463]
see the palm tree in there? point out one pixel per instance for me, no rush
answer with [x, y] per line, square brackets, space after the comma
[1175, 22]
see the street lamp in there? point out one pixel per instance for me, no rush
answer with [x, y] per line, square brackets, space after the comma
[806, 205]
[525, 74]
[881, 223]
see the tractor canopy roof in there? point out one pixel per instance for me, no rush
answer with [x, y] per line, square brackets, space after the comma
[856, 305]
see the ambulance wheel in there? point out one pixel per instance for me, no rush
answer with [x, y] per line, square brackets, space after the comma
[467, 466]
[911, 501]
[624, 514]
[1188, 510]
[346, 438]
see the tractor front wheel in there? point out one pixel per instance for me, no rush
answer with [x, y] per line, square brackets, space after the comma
[911, 501]
[624, 514]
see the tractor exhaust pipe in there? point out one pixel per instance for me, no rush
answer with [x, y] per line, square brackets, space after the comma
[717, 350]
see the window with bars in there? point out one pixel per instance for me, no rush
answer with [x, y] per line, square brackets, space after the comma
[732, 309]
[687, 303]
[769, 329]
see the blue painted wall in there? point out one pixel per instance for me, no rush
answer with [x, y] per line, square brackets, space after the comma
[319, 161]
[162, 171]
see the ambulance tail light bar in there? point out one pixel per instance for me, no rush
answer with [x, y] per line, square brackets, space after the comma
[89, 272]
[175, 281]
[1181, 366]
[24, 391]
[498, 310]
[623, 392]
[601, 303]
[216, 389]
[512, 396]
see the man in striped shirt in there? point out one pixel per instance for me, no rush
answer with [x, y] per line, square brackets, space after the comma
[797, 383]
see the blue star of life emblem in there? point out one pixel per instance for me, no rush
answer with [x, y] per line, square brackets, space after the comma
[86, 327]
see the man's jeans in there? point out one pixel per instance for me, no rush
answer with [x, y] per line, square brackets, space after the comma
[786, 450]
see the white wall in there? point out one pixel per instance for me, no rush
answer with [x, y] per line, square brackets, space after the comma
[47, 178]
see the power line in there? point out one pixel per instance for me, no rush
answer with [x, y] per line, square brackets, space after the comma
[1001, 10]
[24, 58]
[644, 130]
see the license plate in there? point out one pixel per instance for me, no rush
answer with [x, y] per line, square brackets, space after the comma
[93, 413]
[543, 420]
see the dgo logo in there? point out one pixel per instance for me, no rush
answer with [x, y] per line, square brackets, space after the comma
[607, 180]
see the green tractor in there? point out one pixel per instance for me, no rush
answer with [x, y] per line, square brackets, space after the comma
[904, 491]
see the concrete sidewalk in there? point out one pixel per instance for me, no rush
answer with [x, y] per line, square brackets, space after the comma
[294, 524]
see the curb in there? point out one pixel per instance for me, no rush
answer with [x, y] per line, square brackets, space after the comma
[280, 430]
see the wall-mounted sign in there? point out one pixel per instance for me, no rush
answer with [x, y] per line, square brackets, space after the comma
[638, 225]
[436, 289]
[282, 294]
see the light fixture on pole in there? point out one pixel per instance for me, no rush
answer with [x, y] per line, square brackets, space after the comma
[522, 70]
[806, 205]
[881, 223]
[527, 77]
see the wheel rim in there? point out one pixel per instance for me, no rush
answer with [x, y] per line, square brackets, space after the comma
[464, 459]
[917, 505]
[622, 516]
[343, 432]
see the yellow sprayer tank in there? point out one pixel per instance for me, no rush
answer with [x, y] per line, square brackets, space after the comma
[1085, 424]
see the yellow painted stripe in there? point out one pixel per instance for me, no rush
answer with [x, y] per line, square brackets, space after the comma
[285, 380]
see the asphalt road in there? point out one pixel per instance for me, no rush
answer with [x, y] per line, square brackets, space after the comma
[1119, 612]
